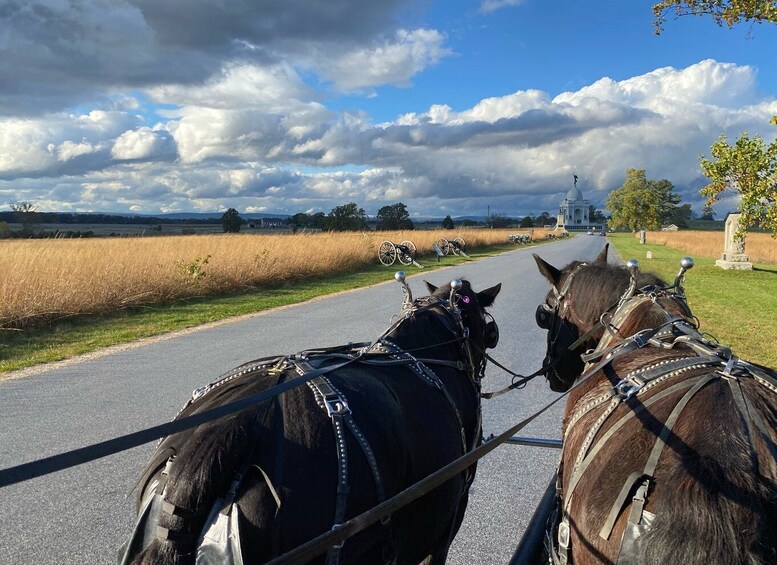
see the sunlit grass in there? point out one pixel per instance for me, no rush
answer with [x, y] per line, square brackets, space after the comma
[62, 338]
[46, 280]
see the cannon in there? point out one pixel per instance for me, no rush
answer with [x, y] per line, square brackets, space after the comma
[519, 238]
[456, 246]
[405, 252]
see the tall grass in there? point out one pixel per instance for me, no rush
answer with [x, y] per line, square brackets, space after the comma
[43, 280]
[760, 247]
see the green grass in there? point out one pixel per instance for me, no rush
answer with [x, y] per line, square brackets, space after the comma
[739, 308]
[70, 337]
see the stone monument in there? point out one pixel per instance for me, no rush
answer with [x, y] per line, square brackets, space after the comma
[734, 248]
[642, 237]
[573, 210]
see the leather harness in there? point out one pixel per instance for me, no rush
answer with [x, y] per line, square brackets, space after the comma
[219, 541]
[702, 354]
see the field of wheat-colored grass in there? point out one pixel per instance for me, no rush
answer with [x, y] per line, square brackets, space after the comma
[43, 280]
[760, 247]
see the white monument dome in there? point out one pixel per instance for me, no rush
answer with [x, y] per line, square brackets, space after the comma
[573, 210]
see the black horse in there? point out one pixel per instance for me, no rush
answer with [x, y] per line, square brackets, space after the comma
[252, 486]
[669, 449]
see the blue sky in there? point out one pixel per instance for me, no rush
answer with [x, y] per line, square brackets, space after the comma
[451, 107]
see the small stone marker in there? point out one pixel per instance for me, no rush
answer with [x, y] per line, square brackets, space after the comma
[438, 251]
[649, 255]
[642, 237]
[734, 249]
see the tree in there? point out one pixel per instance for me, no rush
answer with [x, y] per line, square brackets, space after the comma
[26, 215]
[348, 217]
[667, 200]
[730, 12]
[497, 221]
[527, 222]
[543, 220]
[641, 203]
[230, 221]
[680, 216]
[749, 167]
[707, 213]
[447, 223]
[317, 221]
[394, 217]
[299, 219]
[596, 216]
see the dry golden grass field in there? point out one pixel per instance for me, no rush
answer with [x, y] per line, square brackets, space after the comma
[43, 280]
[761, 247]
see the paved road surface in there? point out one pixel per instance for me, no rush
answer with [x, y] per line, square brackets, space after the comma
[82, 515]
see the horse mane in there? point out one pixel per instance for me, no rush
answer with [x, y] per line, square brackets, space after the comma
[604, 285]
[648, 314]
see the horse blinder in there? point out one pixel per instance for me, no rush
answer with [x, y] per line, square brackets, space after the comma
[491, 335]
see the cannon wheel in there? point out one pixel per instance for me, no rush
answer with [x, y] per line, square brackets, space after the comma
[444, 245]
[387, 253]
[409, 257]
[461, 248]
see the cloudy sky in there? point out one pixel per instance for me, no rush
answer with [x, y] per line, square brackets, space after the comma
[283, 106]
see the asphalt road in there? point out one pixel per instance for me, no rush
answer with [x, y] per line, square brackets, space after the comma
[81, 515]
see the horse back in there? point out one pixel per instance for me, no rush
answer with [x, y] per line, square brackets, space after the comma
[286, 450]
[715, 469]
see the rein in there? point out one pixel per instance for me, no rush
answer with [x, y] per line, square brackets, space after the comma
[78, 456]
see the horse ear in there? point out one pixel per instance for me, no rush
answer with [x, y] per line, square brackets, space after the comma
[430, 287]
[602, 258]
[547, 270]
[486, 297]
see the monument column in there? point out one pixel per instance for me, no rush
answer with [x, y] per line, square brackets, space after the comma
[734, 248]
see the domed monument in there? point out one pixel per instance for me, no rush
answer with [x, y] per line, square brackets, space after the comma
[573, 210]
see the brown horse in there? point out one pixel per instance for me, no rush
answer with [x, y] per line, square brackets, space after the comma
[669, 449]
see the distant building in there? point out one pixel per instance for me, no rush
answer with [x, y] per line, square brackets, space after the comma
[573, 211]
[670, 227]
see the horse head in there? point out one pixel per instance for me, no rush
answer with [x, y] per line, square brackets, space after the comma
[482, 331]
[580, 293]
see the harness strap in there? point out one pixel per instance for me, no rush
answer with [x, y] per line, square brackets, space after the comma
[759, 423]
[620, 500]
[336, 407]
[637, 379]
[432, 379]
[752, 419]
[334, 402]
[640, 521]
[369, 455]
[639, 499]
[270, 486]
[616, 427]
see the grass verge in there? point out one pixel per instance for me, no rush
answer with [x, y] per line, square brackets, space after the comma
[75, 336]
[739, 308]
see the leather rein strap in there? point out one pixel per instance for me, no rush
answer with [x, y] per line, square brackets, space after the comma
[72, 458]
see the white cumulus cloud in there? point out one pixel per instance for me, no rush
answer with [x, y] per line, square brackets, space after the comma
[393, 61]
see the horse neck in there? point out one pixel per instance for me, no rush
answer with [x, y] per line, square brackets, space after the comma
[425, 334]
